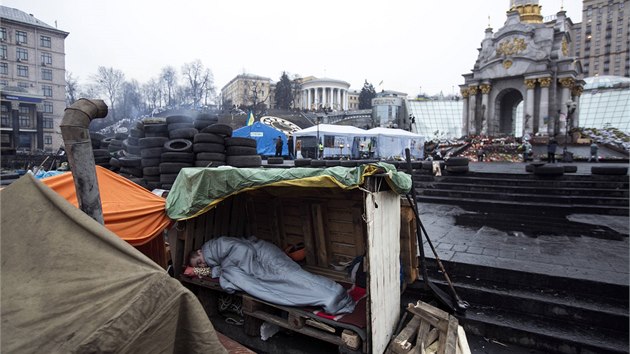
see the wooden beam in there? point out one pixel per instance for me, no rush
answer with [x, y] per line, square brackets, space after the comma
[320, 236]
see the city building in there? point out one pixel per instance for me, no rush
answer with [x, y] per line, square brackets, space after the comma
[388, 110]
[32, 81]
[601, 39]
[325, 93]
[353, 99]
[526, 61]
[248, 90]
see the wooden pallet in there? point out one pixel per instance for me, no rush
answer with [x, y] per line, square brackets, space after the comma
[430, 330]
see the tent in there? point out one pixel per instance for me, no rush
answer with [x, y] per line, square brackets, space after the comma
[69, 285]
[265, 137]
[332, 137]
[392, 143]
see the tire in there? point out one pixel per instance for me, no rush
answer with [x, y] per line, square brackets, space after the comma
[172, 167]
[175, 126]
[456, 169]
[348, 163]
[240, 150]
[136, 133]
[208, 147]
[151, 171]
[275, 160]
[152, 142]
[209, 163]
[457, 161]
[609, 170]
[202, 123]
[244, 161]
[427, 165]
[210, 156]
[331, 163]
[155, 128]
[151, 153]
[178, 119]
[208, 138]
[114, 162]
[530, 168]
[570, 169]
[168, 178]
[185, 133]
[221, 129]
[240, 141]
[127, 161]
[549, 170]
[151, 162]
[178, 145]
[166, 186]
[172, 156]
[120, 136]
[134, 171]
[302, 162]
[133, 150]
[101, 153]
[140, 125]
[318, 163]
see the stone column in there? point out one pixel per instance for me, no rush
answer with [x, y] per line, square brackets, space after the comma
[472, 107]
[485, 90]
[543, 110]
[576, 92]
[345, 100]
[567, 84]
[528, 115]
[465, 112]
[308, 99]
[339, 99]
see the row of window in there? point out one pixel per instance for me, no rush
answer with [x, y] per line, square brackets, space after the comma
[21, 37]
[21, 54]
[22, 71]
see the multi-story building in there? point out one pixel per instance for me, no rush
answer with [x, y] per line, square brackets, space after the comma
[601, 39]
[248, 90]
[32, 78]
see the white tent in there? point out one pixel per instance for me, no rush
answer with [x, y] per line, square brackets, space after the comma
[332, 137]
[391, 143]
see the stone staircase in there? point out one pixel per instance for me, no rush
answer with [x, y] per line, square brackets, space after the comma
[546, 313]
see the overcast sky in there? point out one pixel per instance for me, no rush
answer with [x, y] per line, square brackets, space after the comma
[412, 46]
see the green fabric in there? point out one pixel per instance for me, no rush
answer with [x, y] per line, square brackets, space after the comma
[196, 190]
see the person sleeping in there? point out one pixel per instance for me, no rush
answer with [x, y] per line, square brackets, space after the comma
[263, 270]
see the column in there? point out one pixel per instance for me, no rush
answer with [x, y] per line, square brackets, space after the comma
[485, 90]
[345, 100]
[339, 99]
[465, 112]
[543, 110]
[567, 84]
[308, 99]
[528, 115]
[576, 92]
[472, 106]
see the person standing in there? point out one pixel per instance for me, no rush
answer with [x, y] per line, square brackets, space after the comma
[594, 152]
[279, 144]
[552, 145]
[527, 151]
[480, 153]
[290, 147]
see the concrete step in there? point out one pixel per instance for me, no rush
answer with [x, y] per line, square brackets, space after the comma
[534, 190]
[582, 181]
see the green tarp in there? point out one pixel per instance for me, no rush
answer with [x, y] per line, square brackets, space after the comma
[196, 190]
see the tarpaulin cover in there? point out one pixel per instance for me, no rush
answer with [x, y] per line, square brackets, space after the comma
[265, 137]
[130, 211]
[69, 285]
[197, 190]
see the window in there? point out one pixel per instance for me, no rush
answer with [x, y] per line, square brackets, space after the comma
[46, 58]
[22, 70]
[25, 117]
[3, 51]
[47, 123]
[4, 69]
[21, 54]
[4, 83]
[24, 85]
[20, 37]
[48, 107]
[48, 139]
[3, 33]
[47, 74]
[47, 90]
[5, 120]
[44, 41]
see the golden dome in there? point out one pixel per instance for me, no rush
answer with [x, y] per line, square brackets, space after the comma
[529, 11]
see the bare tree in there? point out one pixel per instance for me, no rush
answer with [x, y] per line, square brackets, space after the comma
[152, 92]
[169, 79]
[198, 80]
[72, 86]
[131, 104]
[109, 82]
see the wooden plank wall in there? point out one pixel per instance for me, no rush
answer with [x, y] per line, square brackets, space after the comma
[382, 211]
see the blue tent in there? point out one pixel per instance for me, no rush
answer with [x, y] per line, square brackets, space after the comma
[265, 137]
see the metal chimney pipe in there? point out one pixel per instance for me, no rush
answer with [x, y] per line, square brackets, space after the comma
[76, 136]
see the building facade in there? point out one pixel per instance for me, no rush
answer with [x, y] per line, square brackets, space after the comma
[32, 80]
[601, 39]
[247, 90]
[317, 94]
[526, 61]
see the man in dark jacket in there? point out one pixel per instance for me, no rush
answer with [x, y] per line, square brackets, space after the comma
[279, 144]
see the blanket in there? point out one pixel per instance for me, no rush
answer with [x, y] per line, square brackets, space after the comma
[261, 269]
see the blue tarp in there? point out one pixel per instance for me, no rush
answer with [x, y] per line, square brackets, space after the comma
[265, 137]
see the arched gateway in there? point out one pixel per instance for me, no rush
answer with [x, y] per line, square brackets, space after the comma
[525, 61]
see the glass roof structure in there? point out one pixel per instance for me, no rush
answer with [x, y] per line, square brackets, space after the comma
[605, 102]
[439, 119]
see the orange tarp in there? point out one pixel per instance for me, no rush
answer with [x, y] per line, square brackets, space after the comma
[130, 211]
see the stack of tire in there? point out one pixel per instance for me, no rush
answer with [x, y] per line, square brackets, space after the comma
[209, 145]
[131, 162]
[204, 120]
[181, 133]
[151, 148]
[101, 155]
[457, 164]
[115, 148]
[242, 152]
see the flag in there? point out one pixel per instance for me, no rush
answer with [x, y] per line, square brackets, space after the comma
[250, 120]
[380, 83]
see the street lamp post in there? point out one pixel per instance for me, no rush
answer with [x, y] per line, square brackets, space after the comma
[570, 110]
[317, 144]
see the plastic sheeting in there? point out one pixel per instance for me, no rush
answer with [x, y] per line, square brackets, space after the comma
[197, 190]
[130, 211]
[69, 285]
[261, 269]
[265, 137]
